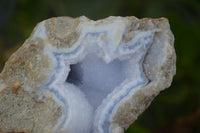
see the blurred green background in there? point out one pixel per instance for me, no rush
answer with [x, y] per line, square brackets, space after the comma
[175, 110]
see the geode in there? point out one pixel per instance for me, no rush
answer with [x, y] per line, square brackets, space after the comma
[76, 75]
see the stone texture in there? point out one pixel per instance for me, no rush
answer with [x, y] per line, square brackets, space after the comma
[77, 75]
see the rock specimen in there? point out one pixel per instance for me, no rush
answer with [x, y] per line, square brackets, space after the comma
[75, 75]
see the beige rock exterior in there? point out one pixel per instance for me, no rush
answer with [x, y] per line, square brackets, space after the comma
[159, 74]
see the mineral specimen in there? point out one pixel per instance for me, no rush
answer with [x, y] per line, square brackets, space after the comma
[75, 75]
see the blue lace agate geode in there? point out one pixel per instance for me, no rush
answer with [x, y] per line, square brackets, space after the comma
[75, 75]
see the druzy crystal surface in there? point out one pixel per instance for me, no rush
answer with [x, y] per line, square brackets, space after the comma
[76, 75]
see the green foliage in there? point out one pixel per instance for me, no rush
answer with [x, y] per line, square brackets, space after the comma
[176, 105]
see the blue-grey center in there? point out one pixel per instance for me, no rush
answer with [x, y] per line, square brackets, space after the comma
[96, 78]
